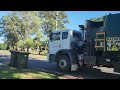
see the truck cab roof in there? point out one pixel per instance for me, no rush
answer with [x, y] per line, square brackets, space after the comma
[65, 30]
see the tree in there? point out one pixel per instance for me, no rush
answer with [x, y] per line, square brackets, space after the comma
[45, 43]
[21, 25]
[30, 23]
[20, 45]
[3, 46]
[28, 43]
[37, 42]
[10, 24]
[49, 20]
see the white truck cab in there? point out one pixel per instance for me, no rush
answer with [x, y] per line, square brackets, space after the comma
[60, 48]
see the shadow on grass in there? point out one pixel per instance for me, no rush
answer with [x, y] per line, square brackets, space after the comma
[7, 72]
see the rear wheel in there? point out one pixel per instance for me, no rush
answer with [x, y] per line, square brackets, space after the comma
[63, 63]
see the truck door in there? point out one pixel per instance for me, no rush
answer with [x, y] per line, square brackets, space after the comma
[65, 41]
[54, 44]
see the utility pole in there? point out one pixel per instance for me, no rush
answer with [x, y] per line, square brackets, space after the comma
[56, 24]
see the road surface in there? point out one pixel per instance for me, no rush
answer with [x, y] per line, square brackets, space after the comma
[83, 73]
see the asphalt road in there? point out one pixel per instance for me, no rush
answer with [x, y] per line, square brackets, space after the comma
[83, 73]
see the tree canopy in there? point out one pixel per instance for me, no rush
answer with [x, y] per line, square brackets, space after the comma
[49, 20]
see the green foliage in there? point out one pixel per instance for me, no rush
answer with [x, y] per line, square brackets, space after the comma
[49, 20]
[20, 25]
[28, 43]
[30, 23]
[3, 46]
[20, 44]
[36, 40]
[97, 19]
[10, 29]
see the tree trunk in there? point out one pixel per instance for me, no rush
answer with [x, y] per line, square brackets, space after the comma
[34, 45]
[39, 50]
[46, 47]
[16, 49]
[27, 49]
[24, 43]
[23, 48]
[8, 47]
[13, 47]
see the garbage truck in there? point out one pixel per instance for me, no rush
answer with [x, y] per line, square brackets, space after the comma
[97, 43]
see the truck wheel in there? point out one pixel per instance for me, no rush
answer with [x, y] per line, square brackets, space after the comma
[63, 63]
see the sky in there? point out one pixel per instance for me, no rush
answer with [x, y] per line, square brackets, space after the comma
[75, 17]
[78, 17]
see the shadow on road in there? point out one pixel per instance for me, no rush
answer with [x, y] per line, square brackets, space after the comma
[86, 73]
[4, 59]
[92, 73]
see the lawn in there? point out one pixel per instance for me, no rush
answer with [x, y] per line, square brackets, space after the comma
[7, 72]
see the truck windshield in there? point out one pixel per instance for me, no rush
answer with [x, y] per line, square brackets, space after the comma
[55, 36]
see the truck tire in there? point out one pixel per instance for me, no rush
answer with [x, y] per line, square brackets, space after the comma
[63, 63]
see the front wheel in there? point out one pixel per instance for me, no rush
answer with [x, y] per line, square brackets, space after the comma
[63, 63]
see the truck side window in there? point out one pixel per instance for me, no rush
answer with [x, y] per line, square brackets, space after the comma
[64, 35]
[77, 35]
[55, 36]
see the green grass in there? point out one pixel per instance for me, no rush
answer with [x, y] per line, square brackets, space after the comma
[35, 55]
[6, 52]
[45, 52]
[7, 72]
